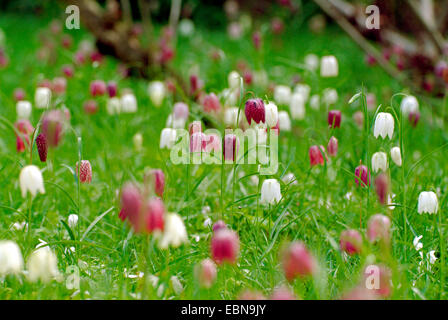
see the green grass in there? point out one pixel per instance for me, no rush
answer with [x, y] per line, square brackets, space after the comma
[314, 211]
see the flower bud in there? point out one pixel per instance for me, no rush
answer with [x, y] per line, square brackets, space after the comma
[225, 246]
[84, 171]
[19, 94]
[350, 241]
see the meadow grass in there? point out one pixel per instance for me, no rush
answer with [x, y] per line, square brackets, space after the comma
[315, 210]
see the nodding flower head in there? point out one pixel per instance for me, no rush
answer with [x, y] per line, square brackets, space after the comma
[254, 110]
[316, 156]
[219, 225]
[378, 228]
[332, 147]
[382, 187]
[363, 174]
[112, 89]
[225, 246]
[206, 272]
[384, 125]
[350, 241]
[42, 147]
[84, 171]
[211, 103]
[155, 211]
[297, 261]
[131, 204]
[157, 181]
[334, 118]
[53, 127]
[97, 88]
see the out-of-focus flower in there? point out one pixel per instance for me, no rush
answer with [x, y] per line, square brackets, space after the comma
[180, 115]
[23, 109]
[157, 180]
[186, 27]
[211, 103]
[72, 220]
[409, 104]
[112, 89]
[303, 89]
[282, 95]
[26, 129]
[42, 147]
[330, 96]
[233, 80]
[225, 246]
[42, 98]
[59, 85]
[131, 205]
[53, 126]
[198, 142]
[382, 187]
[128, 103]
[31, 180]
[329, 67]
[206, 272]
[315, 102]
[167, 138]
[255, 110]
[378, 228]
[358, 117]
[154, 216]
[383, 275]
[19, 94]
[363, 174]
[137, 139]
[90, 107]
[332, 146]
[219, 225]
[316, 156]
[379, 161]
[384, 125]
[427, 202]
[334, 118]
[113, 105]
[283, 293]
[297, 106]
[42, 265]
[270, 192]
[84, 171]
[312, 61]
[156, 92]
[414, 117]
[97, 88]
[284, 122]
[297, 261]
[174, 233]
[395, 154]
[350, 241]
[11, 261]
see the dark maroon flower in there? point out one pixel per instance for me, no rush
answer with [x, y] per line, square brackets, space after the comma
[97, 88]
[361, 172]
[42, 147]
[414, 117]
[112, 89]
[334, 118]
[382, 187]
[254, 110]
